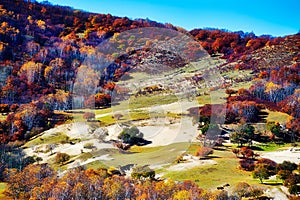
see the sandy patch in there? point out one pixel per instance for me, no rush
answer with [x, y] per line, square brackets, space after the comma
[160, 132]
[191, 162]
[176, 107]
[161, 135]
[280, 156]
[276, 194]
[103, 158]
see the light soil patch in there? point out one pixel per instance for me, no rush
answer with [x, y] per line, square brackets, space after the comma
[160, 135]
[276, 193]
[189, 163]
[158, 131]
[292, 155]
[105, 157]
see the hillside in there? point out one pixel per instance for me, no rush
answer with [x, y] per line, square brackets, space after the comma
[89, 100]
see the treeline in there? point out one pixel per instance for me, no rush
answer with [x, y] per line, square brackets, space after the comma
[232, 44]
[42, 182]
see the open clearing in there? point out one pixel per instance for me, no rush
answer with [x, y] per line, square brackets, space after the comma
[292, 155]
[221, 169]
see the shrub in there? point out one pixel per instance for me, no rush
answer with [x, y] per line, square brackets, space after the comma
[89, 115]
[270, 165]
[261, 172]
[247, 164]
[242, 189]
[204, 151]
[142, 172]
[247, 152]
[236, 152]
[131, 136]
[61, 158]
[89, 145]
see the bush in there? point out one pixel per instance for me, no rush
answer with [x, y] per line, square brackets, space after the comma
[271, 165]
[131, 136]
[236, 152]
[242, 189]
[61, 158]
[204, 151]
[247, 164]
[294, 189]
[89, 115]
[142, 172]
[89, 145]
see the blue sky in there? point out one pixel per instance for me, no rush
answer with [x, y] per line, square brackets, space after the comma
[275, 17]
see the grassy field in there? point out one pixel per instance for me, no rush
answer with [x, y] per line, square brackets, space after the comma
[211, 176]
[269, 147]
[215, 97]
[207, 176]
[146, 101]
[143, 156]
[277, 116]
[53, 139]
[2, 189]
[2, 117]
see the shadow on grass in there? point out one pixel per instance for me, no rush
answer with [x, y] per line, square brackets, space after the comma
[272, 184]
[209, 157]
[262, 117]
[220, 148]
[256, 148]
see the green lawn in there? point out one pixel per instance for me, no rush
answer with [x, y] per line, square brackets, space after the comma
[2, 189]
[215, 97]
[53, 139]
[144, 155]
[211, 176]
[207, 176]
[277, 116]
[268, 147]
[96, 165]
[2, 117]
[146, 101]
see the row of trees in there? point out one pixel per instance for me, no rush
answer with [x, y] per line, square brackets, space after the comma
[228, 43]
[41, 182]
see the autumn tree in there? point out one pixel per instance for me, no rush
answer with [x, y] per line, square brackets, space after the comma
[33, 71]
[98, 100]
[261, 172]
[236, 152]
[21, 184]
[247, 164]
[247, 152]
[230, 92]
[285, 169]
[268, 164]
[292, 182]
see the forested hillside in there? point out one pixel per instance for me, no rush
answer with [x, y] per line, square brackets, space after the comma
[42, 48]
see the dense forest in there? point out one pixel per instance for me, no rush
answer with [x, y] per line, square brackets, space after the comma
[42, 47]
